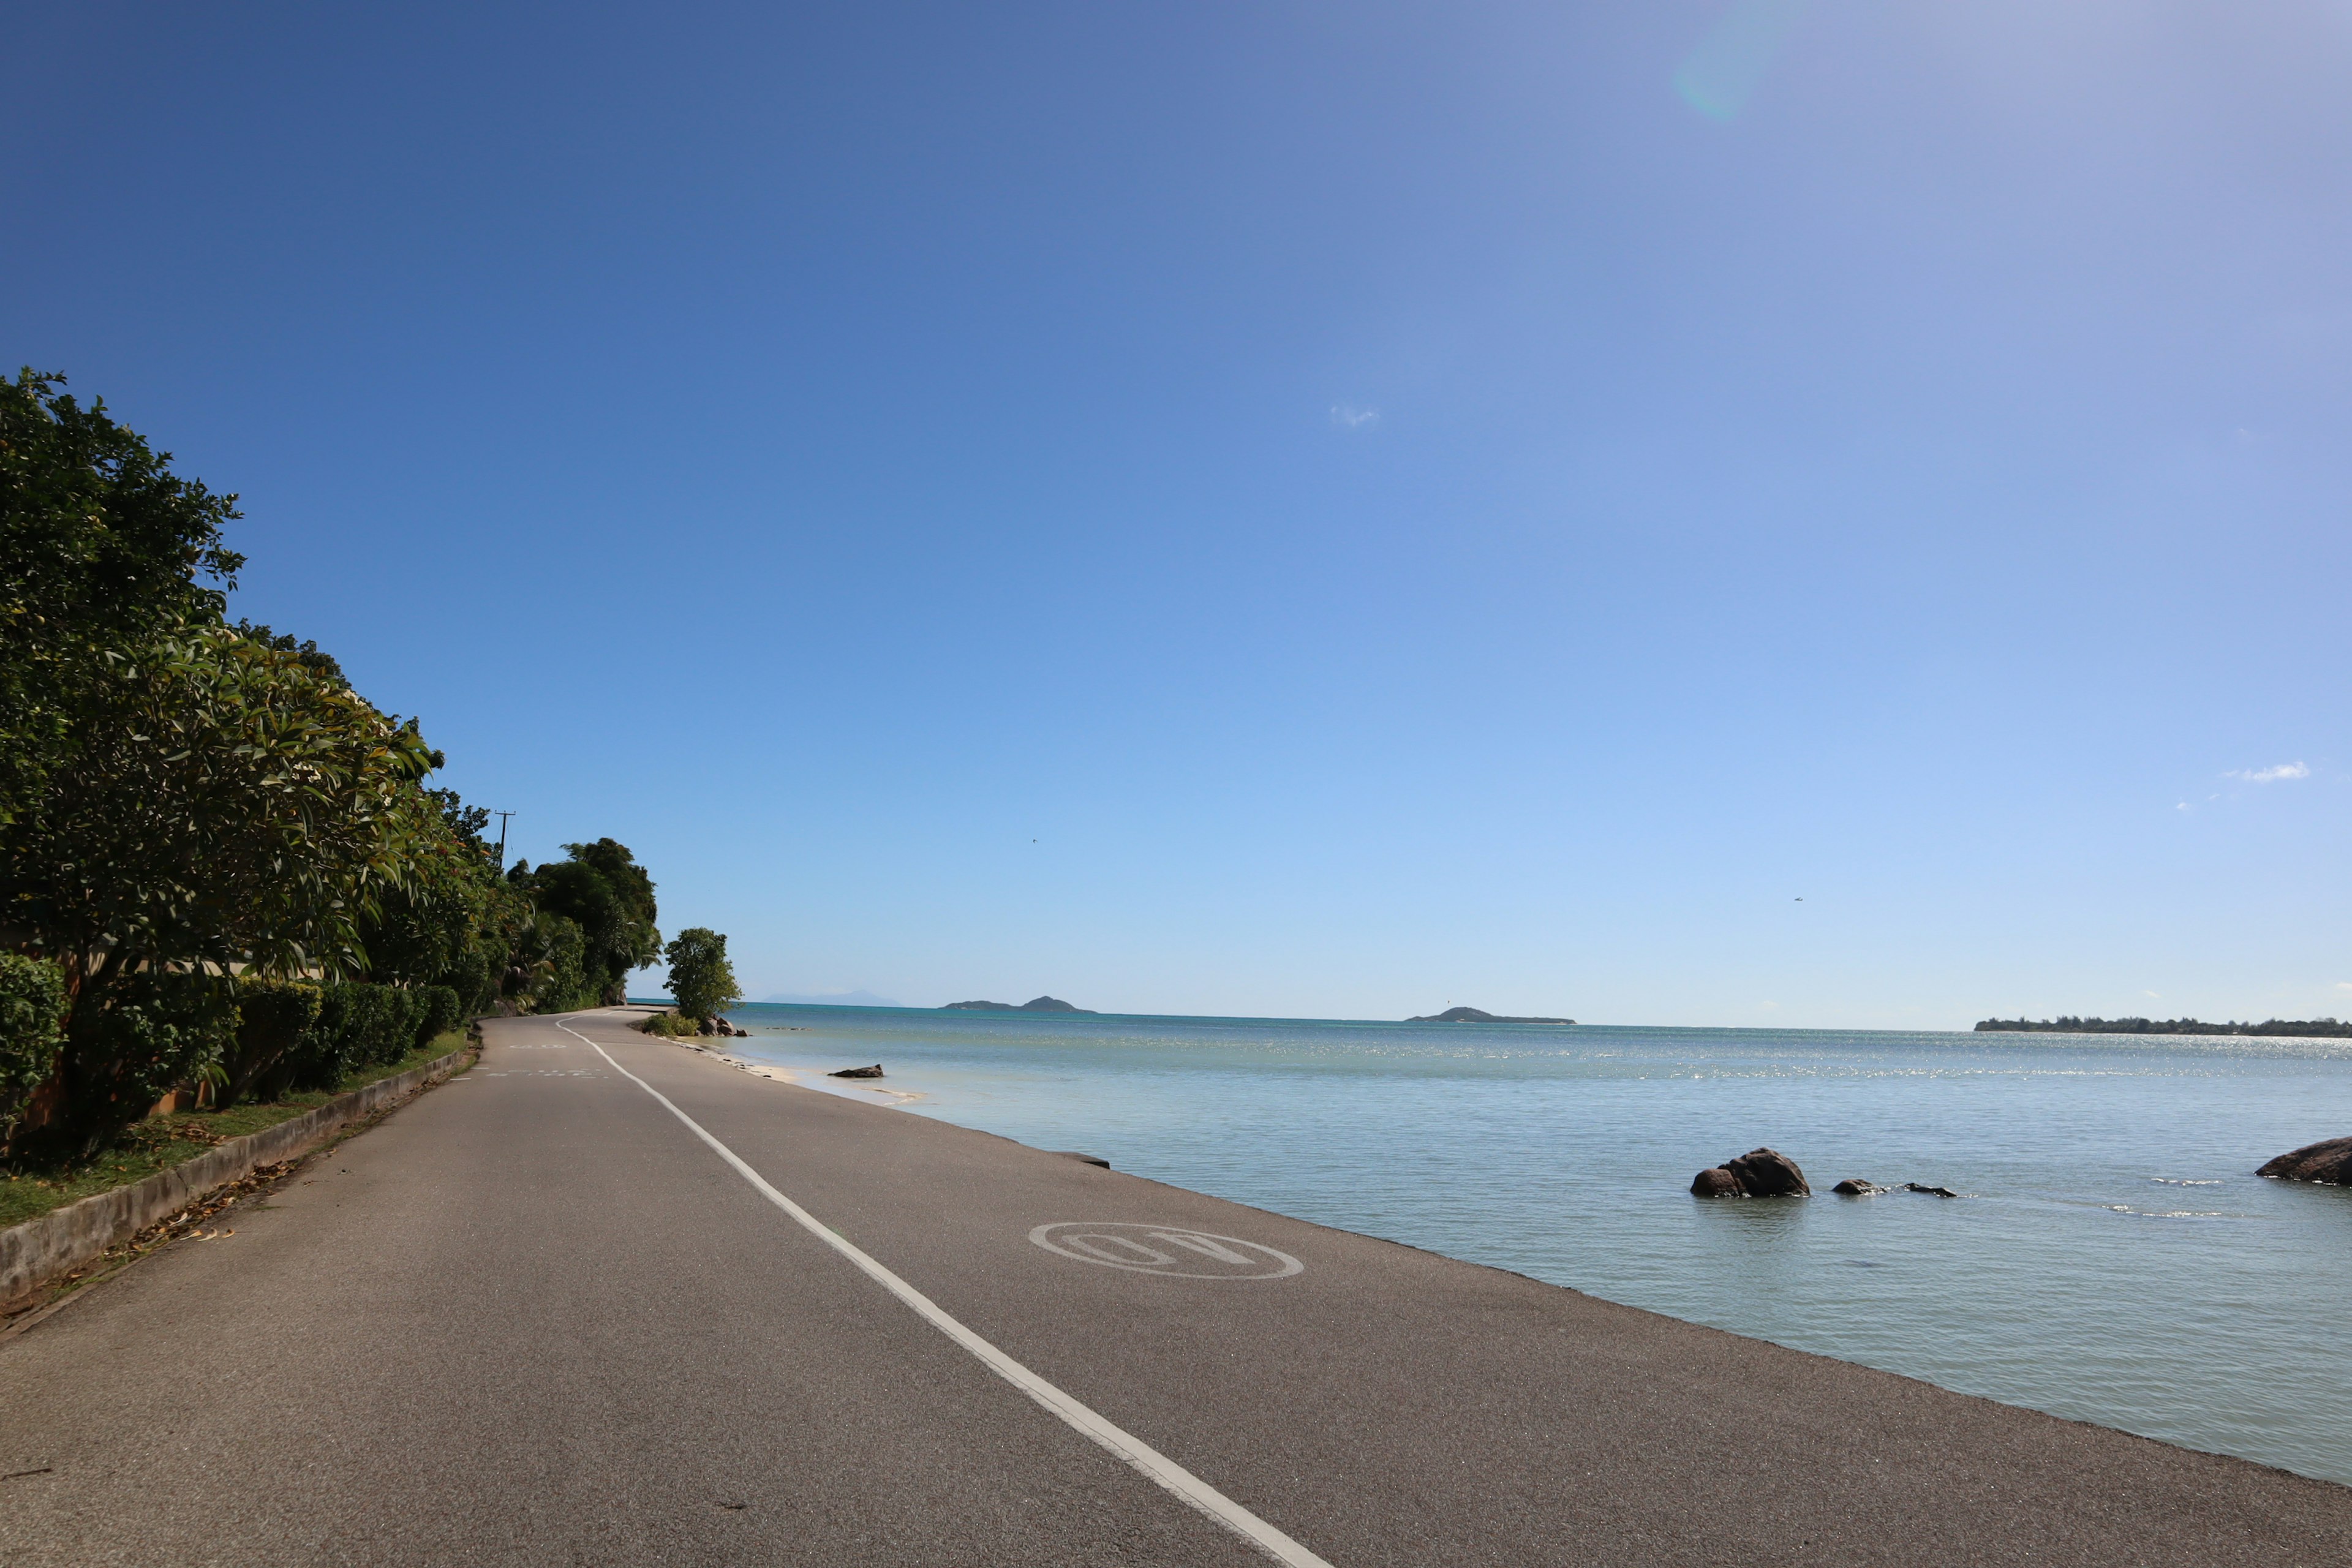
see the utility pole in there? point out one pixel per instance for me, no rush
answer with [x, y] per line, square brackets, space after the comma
[502, 817]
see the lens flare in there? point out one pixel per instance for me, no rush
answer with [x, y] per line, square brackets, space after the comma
[1724, 71]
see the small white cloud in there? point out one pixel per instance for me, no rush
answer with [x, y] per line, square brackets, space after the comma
[1347, 416]
[2183, 805]
[2269, 776]
[2344, 986]
[2153, 995]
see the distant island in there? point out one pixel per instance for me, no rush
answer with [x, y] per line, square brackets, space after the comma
[1034, 1005]
[2307, 1029]
[1472, 1016]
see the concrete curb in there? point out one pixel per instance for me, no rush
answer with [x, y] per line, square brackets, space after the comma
[38, 1250]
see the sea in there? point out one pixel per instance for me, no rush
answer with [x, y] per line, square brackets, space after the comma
[2111, 1257]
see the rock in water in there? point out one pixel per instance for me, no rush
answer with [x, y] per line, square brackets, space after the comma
[1931, 1191]
[1759, 1173]
[1855, 1187]
[2329, 1163]
[1765, 1173]
[1716, 1183]
[873, 1072]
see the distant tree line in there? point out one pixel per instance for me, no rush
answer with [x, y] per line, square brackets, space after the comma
[221, 867]
[2314, 1028]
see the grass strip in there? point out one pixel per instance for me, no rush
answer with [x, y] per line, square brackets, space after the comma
[29, 1190]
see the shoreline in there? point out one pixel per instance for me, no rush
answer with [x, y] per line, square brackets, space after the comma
[2130, 1450]
[2069, 1165]
[815, 1081]
[1370, 1402]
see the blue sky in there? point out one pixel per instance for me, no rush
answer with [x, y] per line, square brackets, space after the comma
[1292, 508]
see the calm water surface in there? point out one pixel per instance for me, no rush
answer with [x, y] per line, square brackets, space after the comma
[2114, 1260]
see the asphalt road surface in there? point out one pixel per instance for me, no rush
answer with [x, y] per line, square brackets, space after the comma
[536, 1318]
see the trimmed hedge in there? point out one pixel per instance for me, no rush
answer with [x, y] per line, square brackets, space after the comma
[249, 1037]
[273, 1017]
[441, 1008]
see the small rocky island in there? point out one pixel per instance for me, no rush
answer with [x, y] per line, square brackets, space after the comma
[1472, 1015]
[1034, 1005]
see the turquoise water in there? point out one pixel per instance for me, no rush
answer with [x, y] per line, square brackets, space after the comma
[2114, 1259]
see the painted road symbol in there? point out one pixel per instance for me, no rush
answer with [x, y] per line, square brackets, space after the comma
[1165, 1249]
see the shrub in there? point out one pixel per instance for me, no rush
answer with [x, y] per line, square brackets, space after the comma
[398, 1011]
[273, 1015]
[441, 1010]
[671, 1026]
[320, 1058]
[156, 1030]
[32, 1015]
[384, 1021]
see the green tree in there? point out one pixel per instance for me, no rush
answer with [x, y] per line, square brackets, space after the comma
[701, 978]
[223, 804]
[454, 922]
[600, 889]
[102, 549]
[549, 972]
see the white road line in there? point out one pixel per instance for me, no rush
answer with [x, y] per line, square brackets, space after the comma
[1136, 1452]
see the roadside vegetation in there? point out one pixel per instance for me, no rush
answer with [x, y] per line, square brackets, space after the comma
[227, 887]
[701, 982]
[31, 1188]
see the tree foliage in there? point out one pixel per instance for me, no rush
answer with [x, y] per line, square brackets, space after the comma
[453, 921]
[103, 548]
[225, 804]
[32, 1026]
[602, 889]
[219, 864]
[701, 978]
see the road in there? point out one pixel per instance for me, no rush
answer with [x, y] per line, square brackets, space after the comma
[536, 1317]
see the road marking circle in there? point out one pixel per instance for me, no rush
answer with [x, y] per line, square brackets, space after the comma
[1172, 1251]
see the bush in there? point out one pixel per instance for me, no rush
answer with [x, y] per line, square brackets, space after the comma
[273, 1015]
[361, 1025]
[322, 1056]
[155, 1031]
[398, 1011]
[32, 1018]
[384, 1021]
[671, 1026]
[441, 1010]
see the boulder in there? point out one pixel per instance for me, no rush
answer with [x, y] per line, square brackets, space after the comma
[1855, 1187]
[1716, 1183]
[1759, 1173]
[2329, 1161]
[1767, 1174]
[873, 1072]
